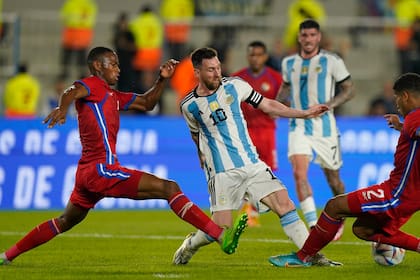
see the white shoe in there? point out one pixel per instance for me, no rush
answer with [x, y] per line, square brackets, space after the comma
[3, 259]
[185, 252]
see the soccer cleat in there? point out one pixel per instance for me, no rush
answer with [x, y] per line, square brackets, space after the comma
[4, 260]
[230, 236]
[290, 260]
[185, 252]
[320, 260]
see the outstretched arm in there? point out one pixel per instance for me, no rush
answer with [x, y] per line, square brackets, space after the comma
[277, 109]
[393, 121]
[58, 114]
[148, 100]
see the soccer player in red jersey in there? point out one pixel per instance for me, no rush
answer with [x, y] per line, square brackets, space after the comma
[99, 173]
[382, 209]
[267, 81]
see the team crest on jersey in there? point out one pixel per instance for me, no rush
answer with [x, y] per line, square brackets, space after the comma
[214, 105]
[229, 99]
[265, 86]
[318, 69]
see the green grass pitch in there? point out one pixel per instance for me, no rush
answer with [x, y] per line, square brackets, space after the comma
[140, 245]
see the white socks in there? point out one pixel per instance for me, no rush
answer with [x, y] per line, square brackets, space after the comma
[309, 211]
[294, 228]
[200, 239]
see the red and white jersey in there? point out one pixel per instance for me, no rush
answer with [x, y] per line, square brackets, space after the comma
[268, 85]
[99, 120]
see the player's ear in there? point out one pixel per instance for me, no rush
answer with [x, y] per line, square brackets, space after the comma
[97, 64]
[196, 73]
[265, 57]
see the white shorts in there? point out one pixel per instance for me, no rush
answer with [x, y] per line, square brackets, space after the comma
[327, 149]
[228, 189]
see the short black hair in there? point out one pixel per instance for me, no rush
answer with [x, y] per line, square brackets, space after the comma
[407, 82]
[309, 23]
[258, 44]
[97, 53]
[198, 55]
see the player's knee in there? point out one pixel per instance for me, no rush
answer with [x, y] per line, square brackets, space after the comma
[332, 208]
[364, 229]
[65, 224]
[68, 220]
[171, 187]
[300, 176]
[283, 206]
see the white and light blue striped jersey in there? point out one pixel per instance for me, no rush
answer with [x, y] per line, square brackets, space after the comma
[218, 118]
[312, 81]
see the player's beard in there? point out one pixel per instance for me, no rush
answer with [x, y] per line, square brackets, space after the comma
[309, 49]
[213, 84]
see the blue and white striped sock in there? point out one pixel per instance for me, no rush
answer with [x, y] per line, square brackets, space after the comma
[294, 228]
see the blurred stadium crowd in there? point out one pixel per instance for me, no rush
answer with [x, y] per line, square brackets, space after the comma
[47, 39]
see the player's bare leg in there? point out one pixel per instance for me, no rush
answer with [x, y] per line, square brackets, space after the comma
[44, 232]
[151, 186]
[337, 187]
[280, 203]
[300, 165]
[334, 181]
[322, 234]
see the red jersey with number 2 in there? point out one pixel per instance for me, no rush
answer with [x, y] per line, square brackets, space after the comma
[396, 199]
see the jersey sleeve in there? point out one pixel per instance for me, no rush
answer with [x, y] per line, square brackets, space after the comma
[125, 99]
[246, 92]
[285, 67]
[340, 72]
[189, 118]
[412, 124]
[254, 99]
[96, 88]
[92, 89]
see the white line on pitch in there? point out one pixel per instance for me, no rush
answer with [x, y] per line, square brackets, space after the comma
[170, 237]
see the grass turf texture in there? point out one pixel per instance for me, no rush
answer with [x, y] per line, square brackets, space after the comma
[140, 245]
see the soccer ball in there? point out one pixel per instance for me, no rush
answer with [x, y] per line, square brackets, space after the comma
[387, 255]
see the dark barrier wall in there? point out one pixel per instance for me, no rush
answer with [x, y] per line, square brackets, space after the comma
[37, 164]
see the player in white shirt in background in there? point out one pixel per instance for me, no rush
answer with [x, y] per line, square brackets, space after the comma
[309, 78]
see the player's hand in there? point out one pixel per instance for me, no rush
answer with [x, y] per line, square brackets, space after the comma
[316, 110]
[393, 121]
[168, 68]
[57, 116]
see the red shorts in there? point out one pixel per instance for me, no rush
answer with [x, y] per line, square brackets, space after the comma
[378, 202]
[265, 141]
[96, 181]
